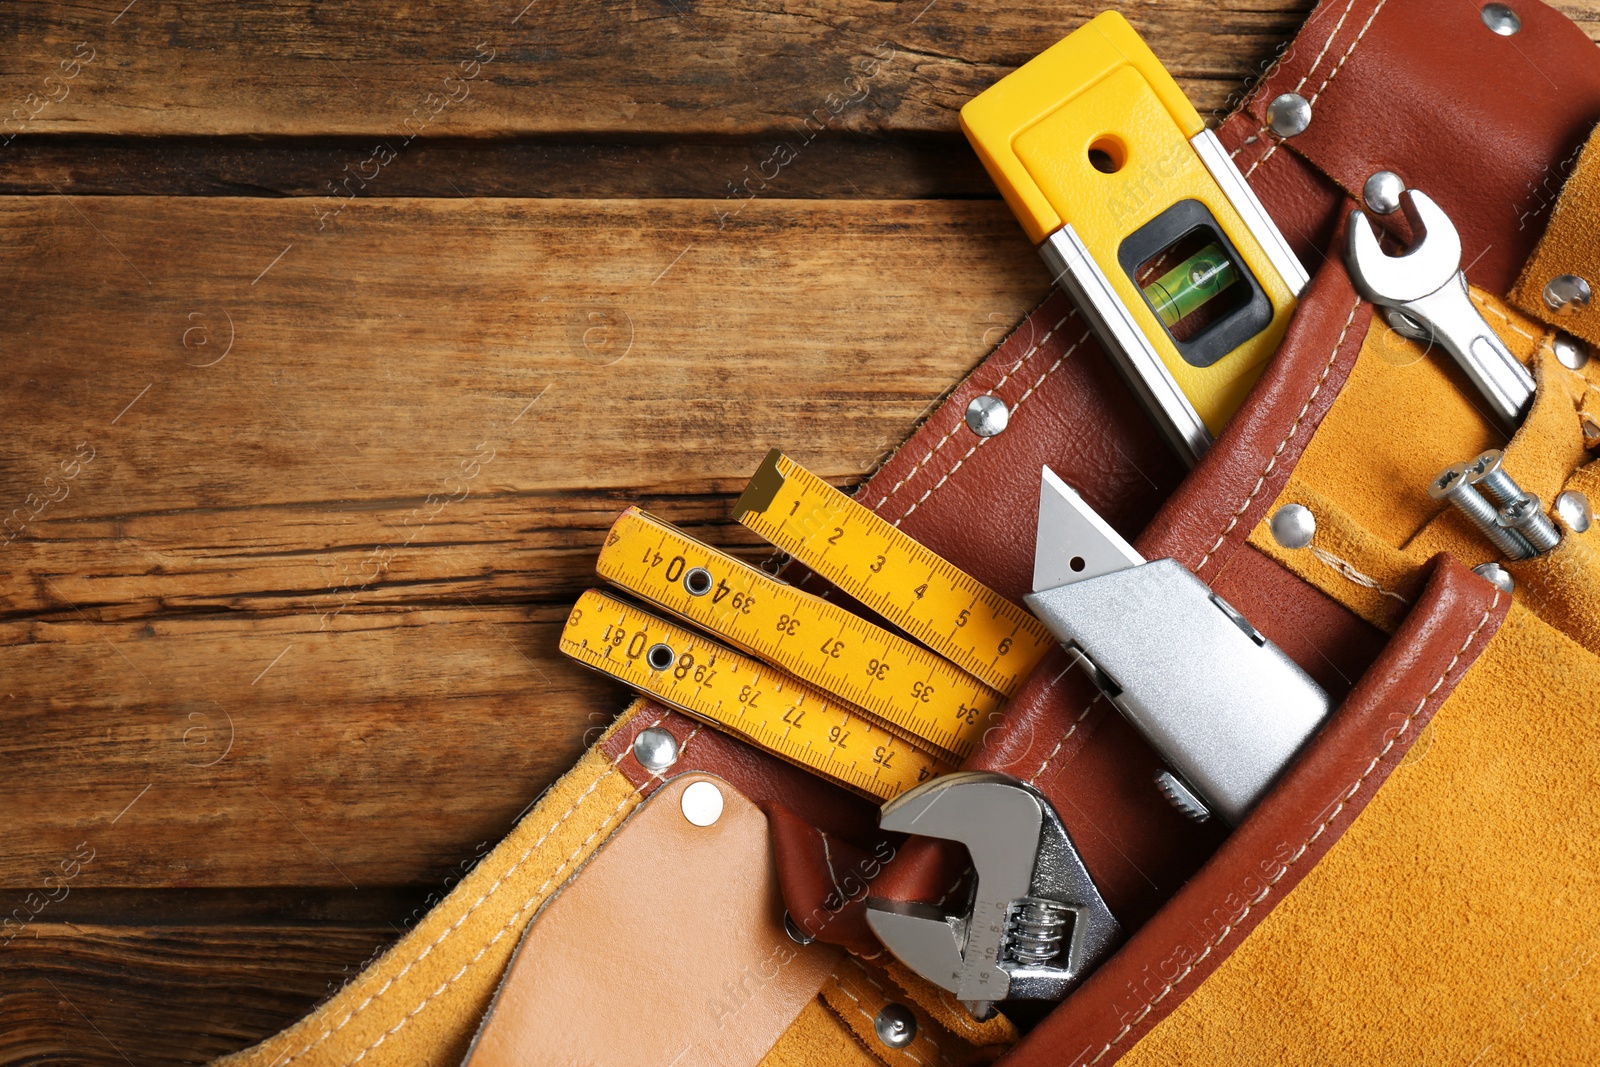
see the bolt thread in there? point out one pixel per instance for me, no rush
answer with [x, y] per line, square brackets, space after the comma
[1482, 514]
[1499, 487]
[1036, 930]
[1526, 516]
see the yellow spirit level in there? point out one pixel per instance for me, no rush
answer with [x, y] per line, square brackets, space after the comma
[1143, 220]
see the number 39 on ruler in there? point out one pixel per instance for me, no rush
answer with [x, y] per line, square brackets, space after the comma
[820, 642]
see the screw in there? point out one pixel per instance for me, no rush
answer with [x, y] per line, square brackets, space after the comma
[1452, 485]
[1527, 517]
[1487, 473]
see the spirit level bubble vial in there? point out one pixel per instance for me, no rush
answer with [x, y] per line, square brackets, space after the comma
[1143, 220]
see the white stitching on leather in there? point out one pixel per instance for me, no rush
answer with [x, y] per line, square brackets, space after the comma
[530, 902]
[1347, 570]
[453, 927]
[1488, 305]
[1322, 827]
[960, 422]
[984, 440]
[922, 1031]
[1337, 67]
[1294, 428]
[1070, 730]
[1326, 44]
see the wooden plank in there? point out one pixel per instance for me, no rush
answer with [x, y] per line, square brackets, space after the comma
[376, 395]
[237, 750]
[99, 994]
[347, 541]
[937, 167]
[611, 68]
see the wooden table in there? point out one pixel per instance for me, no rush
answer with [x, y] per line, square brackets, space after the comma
[334, 338]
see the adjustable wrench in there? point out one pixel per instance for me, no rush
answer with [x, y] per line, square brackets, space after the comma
[1427, 287]
[1035, 923]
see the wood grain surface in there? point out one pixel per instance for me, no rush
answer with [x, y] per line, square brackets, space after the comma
[334, 338]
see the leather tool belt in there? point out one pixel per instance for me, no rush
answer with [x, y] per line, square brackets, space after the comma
[1418, 884]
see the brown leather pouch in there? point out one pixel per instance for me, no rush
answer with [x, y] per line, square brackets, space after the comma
[1420, 66]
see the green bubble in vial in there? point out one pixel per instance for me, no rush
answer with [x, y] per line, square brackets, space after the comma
[1191, 283]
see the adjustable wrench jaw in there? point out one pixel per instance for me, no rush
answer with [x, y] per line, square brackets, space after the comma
[1034, 923]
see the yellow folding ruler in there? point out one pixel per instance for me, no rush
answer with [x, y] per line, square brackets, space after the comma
[928, 597]
[780, 713]
[824, 644]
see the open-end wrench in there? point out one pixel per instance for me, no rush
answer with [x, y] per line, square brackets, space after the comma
[1427, 286]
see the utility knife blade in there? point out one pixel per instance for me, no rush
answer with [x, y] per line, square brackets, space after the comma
[1074, 542]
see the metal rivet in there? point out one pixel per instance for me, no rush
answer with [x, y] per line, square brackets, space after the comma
[987, 415]
[792, 928]
[1496, 574]
[1382, 191]
[697, 581]
[1293, 526]
[1591, 431]
[896, 1026]
[1571, 352]
[1289, 115]
[660, 657]
[1567, 293]
[655, 749]
[1500, 18]
[702, 803]
[1573, 507]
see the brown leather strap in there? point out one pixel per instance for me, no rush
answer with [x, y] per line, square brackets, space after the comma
[1285, 835]
[1484, 123]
